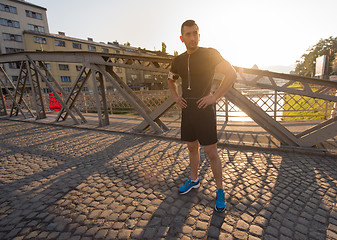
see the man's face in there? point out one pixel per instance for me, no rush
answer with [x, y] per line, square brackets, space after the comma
[190, 37]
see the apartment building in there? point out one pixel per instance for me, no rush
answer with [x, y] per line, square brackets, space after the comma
[15, 18]
[24, 27]
[66, 73]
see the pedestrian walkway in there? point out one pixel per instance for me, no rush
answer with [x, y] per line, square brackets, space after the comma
[58, 182]
[233, 133]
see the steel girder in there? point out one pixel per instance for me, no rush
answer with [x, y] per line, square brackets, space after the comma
[128, 94]
[99, 90]
[19, 90]
[36, 90]
[101, 66]
[18, 105]
[310, 87]
[75, 91]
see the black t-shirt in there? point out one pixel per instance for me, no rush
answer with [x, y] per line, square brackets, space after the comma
[202, 65]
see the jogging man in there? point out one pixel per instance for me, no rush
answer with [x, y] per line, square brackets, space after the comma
[196, 68]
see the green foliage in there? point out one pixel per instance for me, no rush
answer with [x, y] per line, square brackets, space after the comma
[294, 108]
[307, 64]
[297, 107]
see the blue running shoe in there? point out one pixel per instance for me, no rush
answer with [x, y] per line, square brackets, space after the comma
[220, 203]
[188, 185]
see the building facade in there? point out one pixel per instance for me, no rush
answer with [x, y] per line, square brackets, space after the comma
[15, 18]
[66, 73]
[24, 27]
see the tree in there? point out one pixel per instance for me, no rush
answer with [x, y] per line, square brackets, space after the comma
[127, 44]
[175, 53]
[163, 47]
[307, 64]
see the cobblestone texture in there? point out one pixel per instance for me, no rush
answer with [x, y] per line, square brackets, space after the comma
[64, 183]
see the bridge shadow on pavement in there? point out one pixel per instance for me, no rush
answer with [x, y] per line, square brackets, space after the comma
[65, 183]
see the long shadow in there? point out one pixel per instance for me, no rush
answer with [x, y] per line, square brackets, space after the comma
[178, 215]
[41, 190]
[303, 198]
[81, 175]
[35, 199]
[278, 196]
[171, 216]
[241, 172]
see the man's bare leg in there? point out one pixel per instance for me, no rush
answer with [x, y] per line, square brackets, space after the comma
[215, 161]
[194, 154]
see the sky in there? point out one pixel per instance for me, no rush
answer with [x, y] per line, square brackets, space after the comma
[245, 32]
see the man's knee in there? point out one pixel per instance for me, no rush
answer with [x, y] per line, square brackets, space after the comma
[212, 152]
[193, 146]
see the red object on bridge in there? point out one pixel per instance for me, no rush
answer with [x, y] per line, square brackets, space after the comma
[54, 104]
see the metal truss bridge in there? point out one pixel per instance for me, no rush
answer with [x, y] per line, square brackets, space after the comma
[99, 66]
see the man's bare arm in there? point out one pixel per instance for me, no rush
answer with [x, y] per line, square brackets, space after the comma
[174, 92]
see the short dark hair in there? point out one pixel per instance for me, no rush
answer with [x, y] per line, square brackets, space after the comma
[188, 23]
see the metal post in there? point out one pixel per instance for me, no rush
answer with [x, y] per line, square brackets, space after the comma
[85, 103]
[275, 104]
[326, 110]
[103, 120]
[3, 110]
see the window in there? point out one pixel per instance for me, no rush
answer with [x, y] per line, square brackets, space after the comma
[60, 43]
[65, 79]
[64, 67]
[13, 50]
[9, 23]
[33, 14]
[11, 37]
[7, 8]
[46, 90]
[14, 65]
[118, 70]
[105, 50]
[40, 40]
[117, 51]
[78, 67]
[77, 45]
[134, 76]
[67, 89]
[35, 28]
[147, 76]
[91, 48]
[85, 89]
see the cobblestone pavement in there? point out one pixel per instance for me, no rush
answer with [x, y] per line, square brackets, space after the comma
[64, 183]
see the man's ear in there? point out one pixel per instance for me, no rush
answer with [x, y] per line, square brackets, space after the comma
[181, 38]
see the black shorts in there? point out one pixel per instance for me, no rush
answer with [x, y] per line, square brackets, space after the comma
[199, 124]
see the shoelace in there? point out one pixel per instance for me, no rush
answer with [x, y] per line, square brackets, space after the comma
[220, 195]
[188, 181]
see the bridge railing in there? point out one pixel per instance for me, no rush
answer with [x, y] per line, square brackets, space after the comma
[280, 106]
[266, 97]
